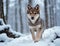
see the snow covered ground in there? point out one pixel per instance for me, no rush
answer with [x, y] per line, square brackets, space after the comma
[48, 36]
[26, 41]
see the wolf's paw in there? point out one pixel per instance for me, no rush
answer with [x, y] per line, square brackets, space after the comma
[36, 41]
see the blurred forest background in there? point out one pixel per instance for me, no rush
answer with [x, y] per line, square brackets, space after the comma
[13, 12]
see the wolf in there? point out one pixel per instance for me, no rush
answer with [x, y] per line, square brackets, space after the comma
[35, 22]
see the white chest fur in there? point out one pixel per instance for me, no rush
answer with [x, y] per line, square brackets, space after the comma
[35, 27]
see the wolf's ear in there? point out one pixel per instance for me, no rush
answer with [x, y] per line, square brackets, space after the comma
[37, 7]
[29, 7]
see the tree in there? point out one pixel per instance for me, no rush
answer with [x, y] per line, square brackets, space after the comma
[55, 12]
[30, 2]
[16, 28]
[52, 12]
[21, 23]
[46, 13]
[1, 11]
[7, 4]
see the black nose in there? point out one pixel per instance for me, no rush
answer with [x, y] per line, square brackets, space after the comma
[32, 18]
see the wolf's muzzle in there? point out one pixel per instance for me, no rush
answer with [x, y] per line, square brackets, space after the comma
[32, 18]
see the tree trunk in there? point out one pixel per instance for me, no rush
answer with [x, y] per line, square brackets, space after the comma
[21, 23]
[7, 4]
[46, 13]
[30, 2]
[1, 11]
[55, 13]
[16, 28]
[52, 14]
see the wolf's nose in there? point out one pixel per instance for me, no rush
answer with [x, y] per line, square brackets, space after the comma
[32, 18]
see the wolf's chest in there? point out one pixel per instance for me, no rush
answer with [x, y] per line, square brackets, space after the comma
[35, 27]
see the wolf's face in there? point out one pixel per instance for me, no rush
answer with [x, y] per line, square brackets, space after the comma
[33, 13]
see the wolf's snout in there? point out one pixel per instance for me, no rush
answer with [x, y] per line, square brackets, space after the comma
[32, 18]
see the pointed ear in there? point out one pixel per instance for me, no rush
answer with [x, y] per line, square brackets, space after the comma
[29, 7]
[37, 7]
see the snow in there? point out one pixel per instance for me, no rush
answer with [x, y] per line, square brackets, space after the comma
[57, 42]
[48, 34]
[26, 40]
[51, 33]
[1, 20]
[15, 33]
[10, 30]
[3, 26]
[3, 37]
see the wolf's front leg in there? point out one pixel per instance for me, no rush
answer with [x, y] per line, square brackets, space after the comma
[38, 34]
[33, 35]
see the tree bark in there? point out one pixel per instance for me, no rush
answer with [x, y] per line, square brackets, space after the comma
[16, 28]
[7, 6]
[46, 13]
[52, 14]
[21, 23]
[30, 2]
[55, 13]
[2, 11]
